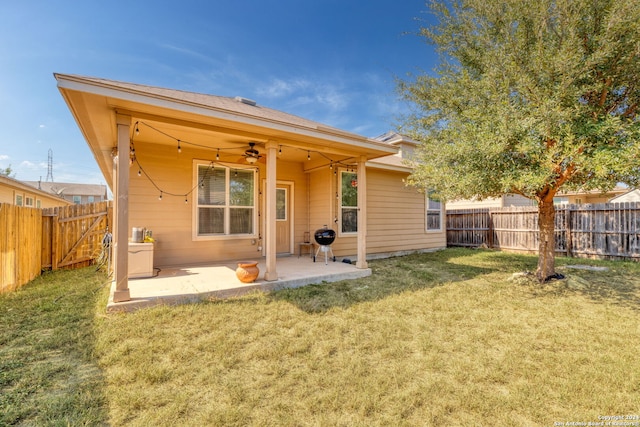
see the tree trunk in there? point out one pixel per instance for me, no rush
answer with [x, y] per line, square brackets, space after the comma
[546, 251]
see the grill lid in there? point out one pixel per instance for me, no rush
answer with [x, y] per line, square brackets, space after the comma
[324, 236]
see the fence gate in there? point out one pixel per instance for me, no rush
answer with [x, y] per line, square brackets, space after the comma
[72, 235]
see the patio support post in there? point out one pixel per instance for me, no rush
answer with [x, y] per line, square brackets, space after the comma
[362, 213]
[270, 214]
[121, 292]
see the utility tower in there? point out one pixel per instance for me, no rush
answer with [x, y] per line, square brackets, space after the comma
[50, 168]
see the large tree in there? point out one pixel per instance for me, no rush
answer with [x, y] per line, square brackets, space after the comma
[531, 98]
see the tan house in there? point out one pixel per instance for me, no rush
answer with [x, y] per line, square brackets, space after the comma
[18, 193]
[218, 178]
[73, 192]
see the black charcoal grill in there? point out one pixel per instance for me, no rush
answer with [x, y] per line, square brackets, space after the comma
[324, 237]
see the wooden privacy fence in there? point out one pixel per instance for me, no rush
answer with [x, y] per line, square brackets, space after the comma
[33, 240]
[72, 235]
[20, 249]
[607, 231]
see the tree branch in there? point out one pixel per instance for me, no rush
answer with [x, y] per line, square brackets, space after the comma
[605, 92]
[565, 175]
[631, 111]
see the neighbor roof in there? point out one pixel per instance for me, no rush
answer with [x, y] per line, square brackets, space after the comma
[62, 188]
[25, 186]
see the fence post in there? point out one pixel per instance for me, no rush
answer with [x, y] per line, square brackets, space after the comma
[55, 226]
[490, 226]
[567, 231]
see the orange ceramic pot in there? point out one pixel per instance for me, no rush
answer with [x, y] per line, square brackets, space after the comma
[247, 271]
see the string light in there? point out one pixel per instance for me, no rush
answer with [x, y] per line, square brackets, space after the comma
[201, 184]
[180, 142]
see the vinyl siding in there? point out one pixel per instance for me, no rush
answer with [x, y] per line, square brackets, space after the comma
[292, 173]
[322, 200]
[395, 215]
[171, 220]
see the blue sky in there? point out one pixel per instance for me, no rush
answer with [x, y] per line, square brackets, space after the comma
[332, 61]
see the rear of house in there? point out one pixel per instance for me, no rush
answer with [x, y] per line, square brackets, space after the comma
[399, 218]
[217, 179]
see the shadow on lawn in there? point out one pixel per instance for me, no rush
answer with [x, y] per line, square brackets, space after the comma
[618, 285]
[48, 372]
[390, 276]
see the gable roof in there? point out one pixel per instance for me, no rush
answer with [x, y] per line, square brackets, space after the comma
[68, 188]
[394, 138]
[397, 161]
[95, 103]
[629, 196]
[238, 105]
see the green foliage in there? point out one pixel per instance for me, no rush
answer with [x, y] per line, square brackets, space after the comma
[8, 171]
[529, 98]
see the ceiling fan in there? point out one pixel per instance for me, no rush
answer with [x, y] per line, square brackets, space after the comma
[252, 155]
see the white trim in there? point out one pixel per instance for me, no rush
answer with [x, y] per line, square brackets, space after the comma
[292, 212]
[196, 163]
[372, 164]
[341, 233]
[440, 229]
[286, 203]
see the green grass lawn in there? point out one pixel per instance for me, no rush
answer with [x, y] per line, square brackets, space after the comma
[447, 338]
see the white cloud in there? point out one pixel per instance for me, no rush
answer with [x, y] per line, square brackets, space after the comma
[332, 98]
[4, 157]
[33, 166]
[42, 126]
[279, 88]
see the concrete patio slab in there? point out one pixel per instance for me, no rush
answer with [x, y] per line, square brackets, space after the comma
[184, 284]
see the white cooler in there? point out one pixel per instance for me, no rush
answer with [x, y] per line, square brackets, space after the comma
[140, 260]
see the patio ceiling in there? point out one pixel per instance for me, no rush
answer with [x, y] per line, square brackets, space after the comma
[203, 121]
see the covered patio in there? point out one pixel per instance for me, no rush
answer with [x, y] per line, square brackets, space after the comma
[220, 179]
[192, 283]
